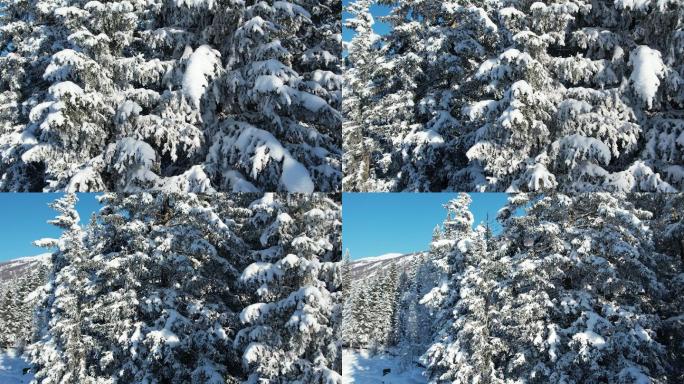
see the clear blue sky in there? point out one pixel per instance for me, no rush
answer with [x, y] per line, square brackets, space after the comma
[378, 223]
[24, 216]
[376, 10]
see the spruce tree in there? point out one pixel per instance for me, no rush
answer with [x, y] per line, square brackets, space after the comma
[291, 330]
[62, 346]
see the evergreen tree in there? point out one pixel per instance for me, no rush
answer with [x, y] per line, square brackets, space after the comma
[462, 349]
[363, 51]
[291, 331]
[60, 337]
[445, 262]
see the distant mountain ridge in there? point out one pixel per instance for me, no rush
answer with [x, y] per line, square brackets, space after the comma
[13, 269]
[370, 266]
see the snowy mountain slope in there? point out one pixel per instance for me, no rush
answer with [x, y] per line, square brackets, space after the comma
[368, 267]
[13, 269]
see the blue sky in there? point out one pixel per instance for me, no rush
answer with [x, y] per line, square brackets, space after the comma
[23, 219]
[376, 10]
[378, 223]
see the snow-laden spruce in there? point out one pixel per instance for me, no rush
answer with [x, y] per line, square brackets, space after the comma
[568, 95]
[176, 96]
[185, 288]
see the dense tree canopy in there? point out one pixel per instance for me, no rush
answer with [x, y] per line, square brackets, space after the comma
[188, 288]
[516, 95]
[187, 95]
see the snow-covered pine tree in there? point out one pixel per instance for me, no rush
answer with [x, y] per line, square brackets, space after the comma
[456, 303]
[349, 290]
[348, 319]
[59, 353]
[176, 96]
[381, 309]
[346, 271]
[9, 323]
[389, 147]
[165, 264]
[574, 295]
[461, 349]
[291, 331]
[361, 327]
[668, 223]
[363, 50]
[390, 304]
[283, 87]
[372, 317]
[445, 263]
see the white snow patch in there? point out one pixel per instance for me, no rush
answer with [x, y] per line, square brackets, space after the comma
[202, 62]
[311, 102]
[131, 151]
[589, 336]
[539, 178]
[647, 70]
[165, 335]
[268, 83]
[443, 243]
[584, 148]
[127, 109]
[464, 245]
[552, 340]
[359, 367]
[291, 9]
[295, 176]
[260, 271]
[479, 109]
[429, 136]
[254, 312]
[641, 5]
[65, 88]
[208, 4]
[12, 367]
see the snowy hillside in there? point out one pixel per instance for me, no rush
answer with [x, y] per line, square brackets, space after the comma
[360, 367]
[16, 268]
[372, 266]
[14, 368]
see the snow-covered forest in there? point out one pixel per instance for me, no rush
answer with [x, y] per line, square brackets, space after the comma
[20, 281]
[185, 288]
[515, 95]
[184, 95]
[586, 288]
